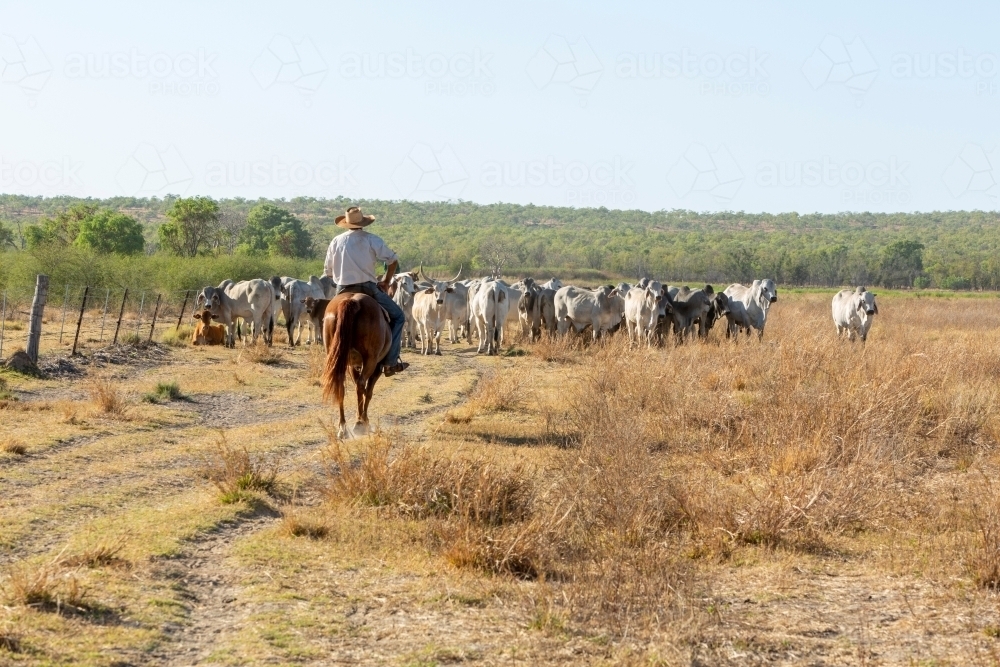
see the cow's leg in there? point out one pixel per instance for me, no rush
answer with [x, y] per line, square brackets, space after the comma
[437, 341]
[288, 328]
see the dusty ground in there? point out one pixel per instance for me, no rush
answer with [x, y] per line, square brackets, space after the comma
[196, 581]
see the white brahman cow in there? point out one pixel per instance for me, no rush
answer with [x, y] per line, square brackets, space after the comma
[251, 300]
[749, 306]
[490, 306]
[602, 309]
[854, 312]
[644, 306]
[428, 311]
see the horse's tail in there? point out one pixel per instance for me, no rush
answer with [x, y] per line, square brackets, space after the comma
[341, 341]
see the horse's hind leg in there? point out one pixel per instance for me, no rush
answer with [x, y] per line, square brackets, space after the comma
[369, 388]
[361, 425]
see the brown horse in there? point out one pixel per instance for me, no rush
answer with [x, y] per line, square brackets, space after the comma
[356, 333]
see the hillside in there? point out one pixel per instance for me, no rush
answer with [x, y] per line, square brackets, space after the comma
[960, 248]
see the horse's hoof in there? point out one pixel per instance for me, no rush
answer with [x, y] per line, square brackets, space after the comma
[360, 429]
[343, 433]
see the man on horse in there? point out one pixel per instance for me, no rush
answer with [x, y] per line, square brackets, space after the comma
[350, 261]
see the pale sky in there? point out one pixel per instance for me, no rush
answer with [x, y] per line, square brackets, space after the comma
[777, 106]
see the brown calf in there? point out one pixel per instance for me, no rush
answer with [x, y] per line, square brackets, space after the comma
[206, 333]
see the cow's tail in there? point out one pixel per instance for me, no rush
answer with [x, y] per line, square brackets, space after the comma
[341, 336]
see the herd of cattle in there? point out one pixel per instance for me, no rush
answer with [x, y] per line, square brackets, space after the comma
[489, 307]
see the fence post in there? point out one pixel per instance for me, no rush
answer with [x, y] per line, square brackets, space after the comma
[120, 313]
[104, 317]
[3, 322]
[37, 308]
[138, 319]
[79, 320]
[155, 312]
[180, 317]
[63, 325]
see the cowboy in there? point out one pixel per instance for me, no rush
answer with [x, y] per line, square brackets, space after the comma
[350, 261]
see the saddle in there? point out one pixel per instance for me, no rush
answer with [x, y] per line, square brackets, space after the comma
[362, 289]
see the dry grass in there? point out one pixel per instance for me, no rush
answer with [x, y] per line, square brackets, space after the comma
[106, 552]
[315, 363]
[177, 336]
[259, 353]
[14, 447]
[10, 638]
[237, 473]
[296, 522]
[502, 389]
[45, 585]
[108, 398]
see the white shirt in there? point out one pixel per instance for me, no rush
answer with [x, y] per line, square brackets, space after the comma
[351, 257]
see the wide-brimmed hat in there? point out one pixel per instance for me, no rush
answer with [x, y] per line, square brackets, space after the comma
[353, 219]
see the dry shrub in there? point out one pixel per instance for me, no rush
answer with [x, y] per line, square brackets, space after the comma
[557, 349]
[260, 353]
[297, 523]
[481, 509]
[418, 484]
[236, 472]
[982, 551]
[105, 553]
[5, 393]
[315, 363]
[178, 336]
[14, 447]
[46, 585]
[10, 638]
[108, 398]
[502, 389]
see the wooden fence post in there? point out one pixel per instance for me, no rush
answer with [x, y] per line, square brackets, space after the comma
[155, 313]
[180, 317]
[138, 319]
[79, 320]
[104, 317]
[63, 325]
[120, 313]
[37, 308]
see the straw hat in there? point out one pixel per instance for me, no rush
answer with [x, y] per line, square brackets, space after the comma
[353, 219]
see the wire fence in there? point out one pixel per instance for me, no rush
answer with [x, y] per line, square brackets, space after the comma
[78, 317]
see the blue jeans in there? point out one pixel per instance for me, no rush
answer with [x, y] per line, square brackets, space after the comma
[397, 320]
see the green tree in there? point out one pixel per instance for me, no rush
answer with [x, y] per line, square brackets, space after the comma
[108, 231]
[191, 226]
[901, 263]
[6, 237]
[61, 230]
[271, 229]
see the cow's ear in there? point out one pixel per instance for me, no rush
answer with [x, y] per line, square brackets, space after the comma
[429, 290]
[197, 316]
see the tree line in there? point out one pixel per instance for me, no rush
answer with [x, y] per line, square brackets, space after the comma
[952, 250]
